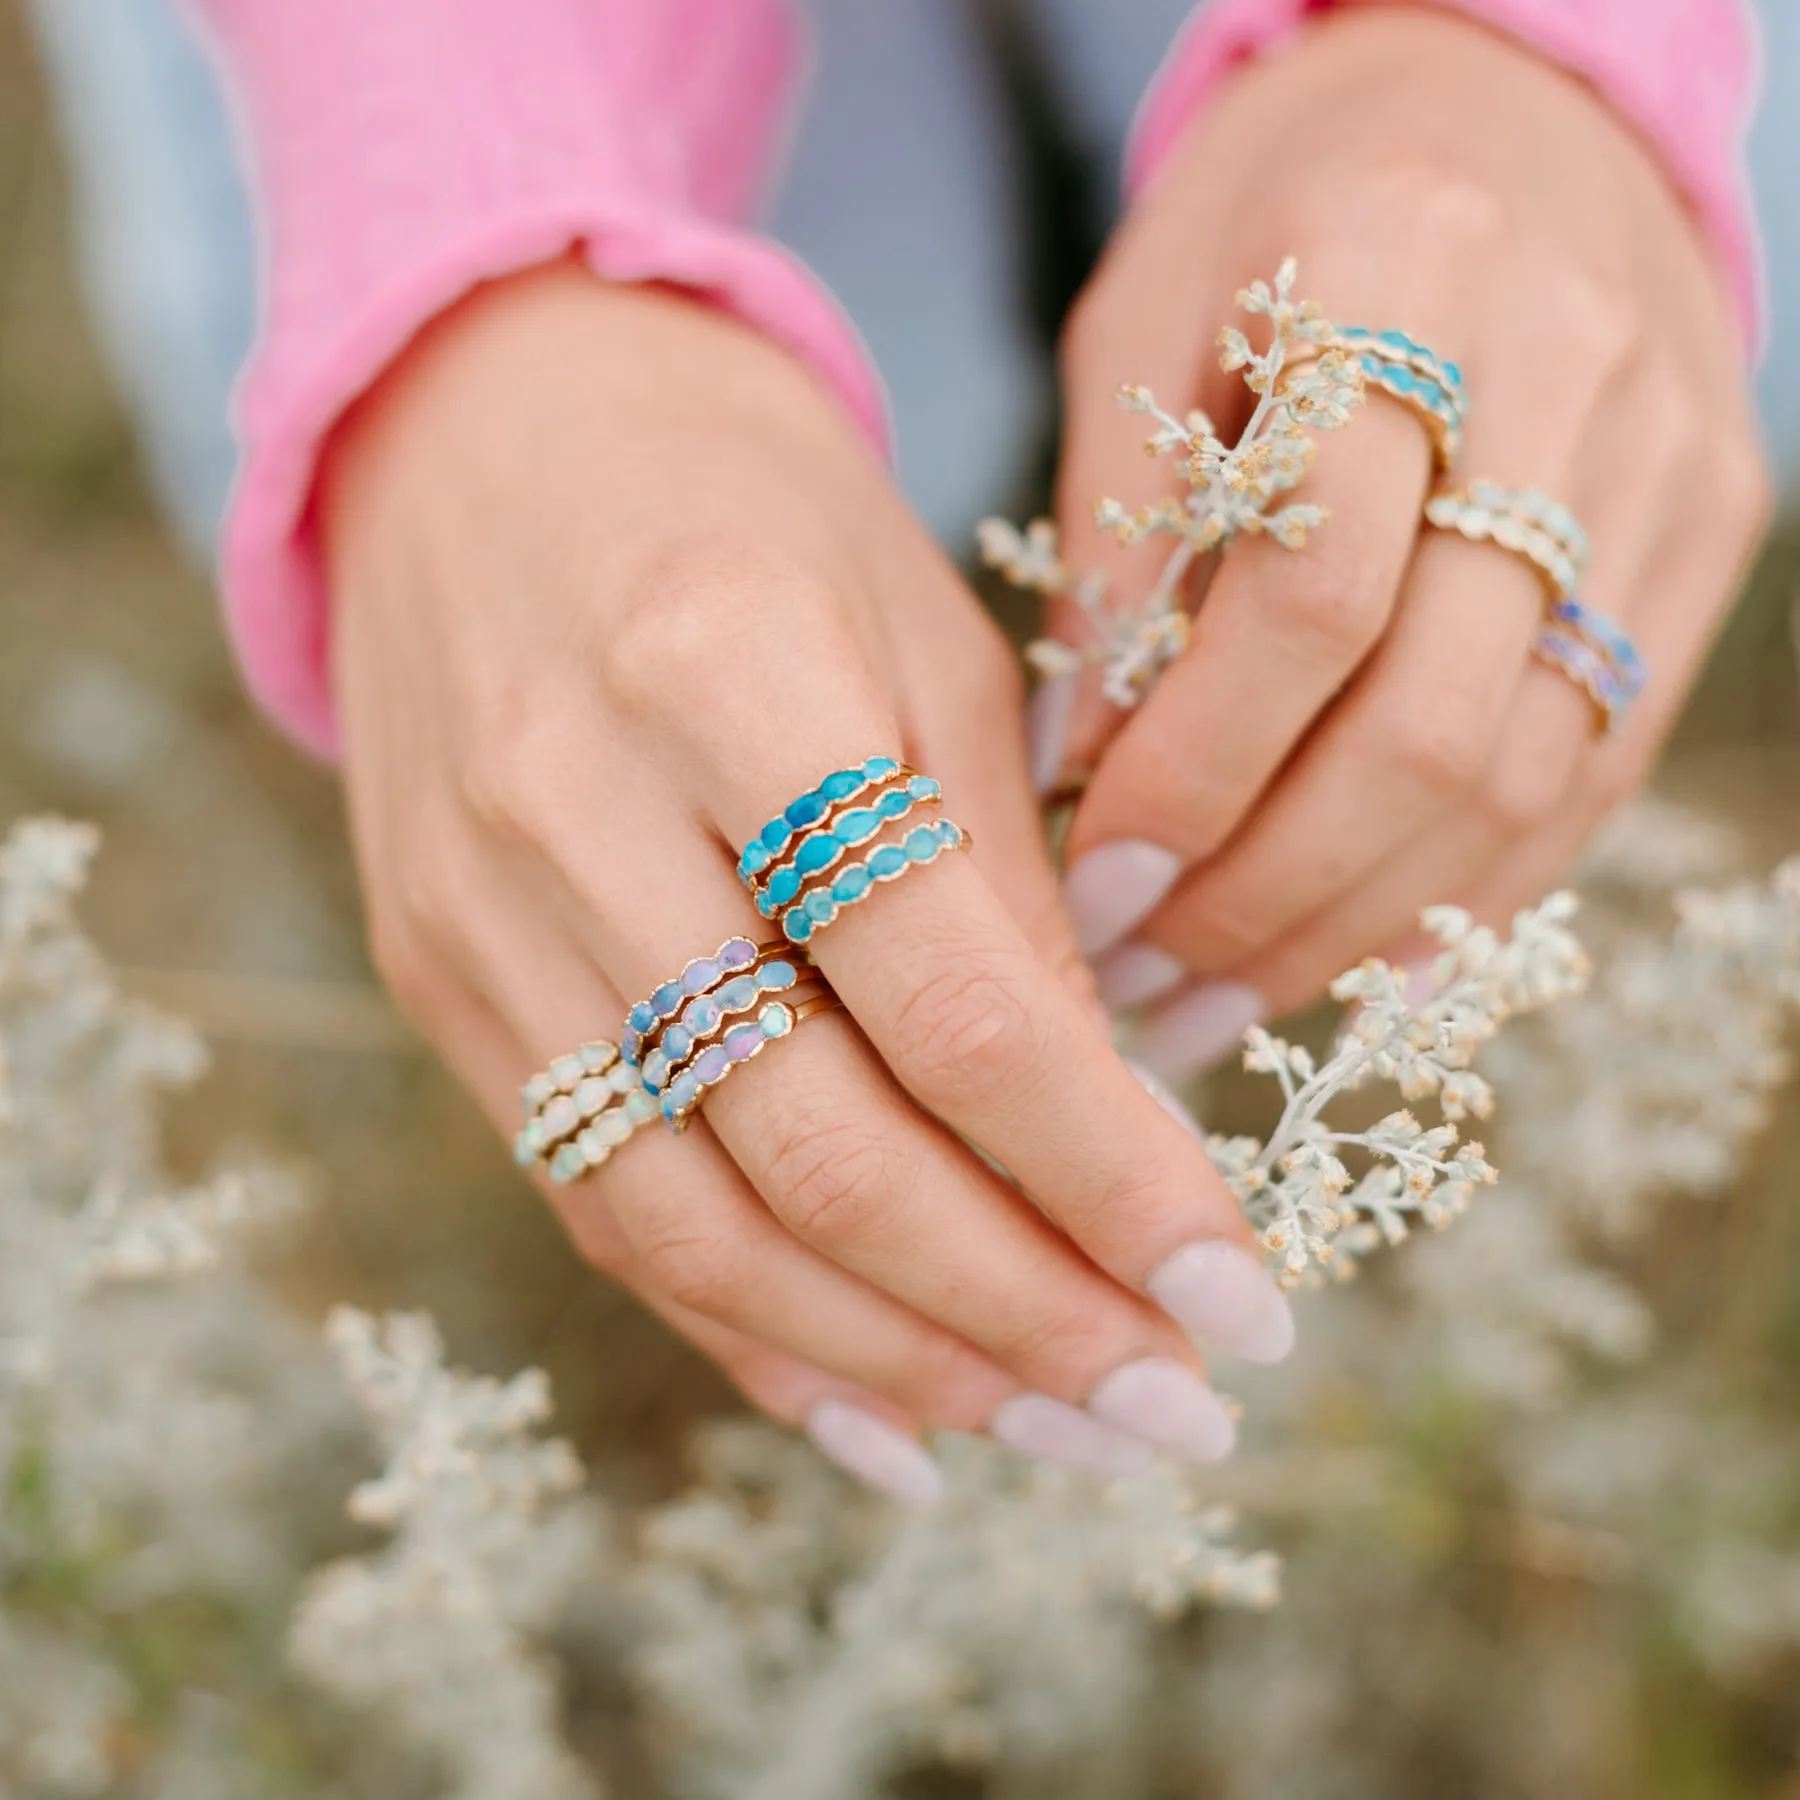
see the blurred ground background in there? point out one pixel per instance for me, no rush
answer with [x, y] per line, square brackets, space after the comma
[227, 893]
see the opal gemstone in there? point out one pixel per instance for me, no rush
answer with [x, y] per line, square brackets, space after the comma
[704, 1015]
[738, 993]
[566, 1071]
[887, 862]
[613, 1129]
[677, 1041]
[631, 1042]
[775, 1020]
[560, 1116]
[772, 977]
[820, 908]
[697, 977]
[922, 844]
[737, 953]
[666, 998]
[710, 1064]
[597, 1058]
[742, 1042]
[656, 1070]
[536, 1091]
[623, 1078]
[852, 884]
[567, 1163]
[639, 1105]
[591, 1095]
[797, 926]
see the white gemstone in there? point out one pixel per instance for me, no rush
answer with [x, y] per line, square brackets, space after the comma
[624, 1079]
[612, 1127]
[640, 1106]
[565, 1072]
[598, 1056]
[592, 1094]
[536, 1091]
[560, 1116]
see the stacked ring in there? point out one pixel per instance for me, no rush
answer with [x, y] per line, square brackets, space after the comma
[1521, 520]
[1591, 671]
[1429, 385]
[799, 883]
[731, 958]
[684, 1094]
[709, 1013]
[580, 1110]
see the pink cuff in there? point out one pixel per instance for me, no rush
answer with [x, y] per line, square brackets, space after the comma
[1684, 72]
[405, 152]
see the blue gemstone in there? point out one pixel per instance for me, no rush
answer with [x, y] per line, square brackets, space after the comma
[841, 784]
[677, 1041]
[949, 834]
[816, 853]
[766, 906]
[859, 826]
[1398, 340]
[784, 884]
[893, 803]
[630, 1043]
[797, 925]
[887, 862]
[772, 977]
[1400, 381]
[922, 844]
[755, 858]
[738, 993]
[809, 809]
[683, 1090]
[852, 884]
[820, 908]
[775, 834]
[879, 768]
[1452, 374]
[642, 1016]
[667, 998]
[922, 787]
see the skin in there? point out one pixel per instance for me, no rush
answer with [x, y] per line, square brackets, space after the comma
[1359, 730]
[613, 580]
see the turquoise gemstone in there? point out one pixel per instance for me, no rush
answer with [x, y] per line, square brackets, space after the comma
[816, 853]
[772, 977]
[755, 858]
[1398, 340]
[922, 844]
[775, 1021]
[922, 787]
[841, 784]
[852, 885]
[666, 998]
[879, 768]
[784, 884]
[820, 908]
[950, 833]
[766, 906]
[656, 1071]
[859, 826]
[809, 809]
[775, 834]
[895, 802]
[887, 862]
[1452, 374]
[797, 926]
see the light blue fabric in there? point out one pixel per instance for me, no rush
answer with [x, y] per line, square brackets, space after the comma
[901, 191]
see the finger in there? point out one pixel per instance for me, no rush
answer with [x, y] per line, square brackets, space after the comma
[1423, 726]
[859, 1431]
[981, 1034]
[1277, 638]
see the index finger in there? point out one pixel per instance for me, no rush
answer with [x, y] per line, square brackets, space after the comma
[983, 1035]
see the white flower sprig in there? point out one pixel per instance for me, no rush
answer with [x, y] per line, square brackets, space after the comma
[1312, 1214]
[1229, 490]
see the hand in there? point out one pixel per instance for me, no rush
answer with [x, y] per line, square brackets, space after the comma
[613, 582]
[1358, 729]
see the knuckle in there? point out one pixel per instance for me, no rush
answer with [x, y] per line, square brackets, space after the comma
[1440, 753]
[1598, 318]
[836, 1180]
[699, 1271]
[968, 1028]
[1335, 596]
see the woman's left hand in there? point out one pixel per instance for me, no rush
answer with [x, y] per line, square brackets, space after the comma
[1358, 729]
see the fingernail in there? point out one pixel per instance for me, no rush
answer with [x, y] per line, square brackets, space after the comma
[1158, 1090]
[1196, 1028]
[1221, 1295]
[1116, 887]
[1169, 1406]
[1048, 1431]
[1134, 973]
[1047, 728]
[874, 1451]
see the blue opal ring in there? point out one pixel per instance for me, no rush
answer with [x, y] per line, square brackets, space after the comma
[580, 1110]
[923, 844]
[1590, 669]
[1429, 385]
[1519, 520]
[844, 829]
[709, 1013]
[732, 957]
[800, 815]
[777, 1019]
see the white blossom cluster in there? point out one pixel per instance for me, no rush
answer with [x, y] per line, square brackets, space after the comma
[437, 1632]
[1301, 385]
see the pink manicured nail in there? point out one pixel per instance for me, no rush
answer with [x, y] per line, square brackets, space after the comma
[1047, 728]
[873, 1451]
[1048, 1431]
[1158, 1091]
[1222, 1296]
[1134, 973]
[1167, 1405]
[1115, 888]
[1196, 1028]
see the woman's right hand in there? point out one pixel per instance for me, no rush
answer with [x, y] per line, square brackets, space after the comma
[614, 580]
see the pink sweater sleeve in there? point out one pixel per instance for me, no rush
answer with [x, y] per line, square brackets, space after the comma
[402, 151]
[1684, 72]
